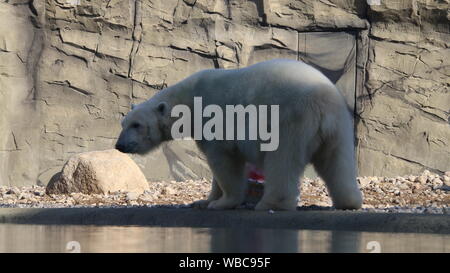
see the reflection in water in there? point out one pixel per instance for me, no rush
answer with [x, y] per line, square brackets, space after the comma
[237, 240]
[48, 238]
[345, 242]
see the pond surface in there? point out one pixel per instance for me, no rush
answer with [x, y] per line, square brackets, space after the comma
[79, 238]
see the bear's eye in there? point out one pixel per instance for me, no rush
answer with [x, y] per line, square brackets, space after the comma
[135, 125]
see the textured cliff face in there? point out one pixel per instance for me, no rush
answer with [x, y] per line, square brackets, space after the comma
[20, 46]
[75, 66]
[405, 104]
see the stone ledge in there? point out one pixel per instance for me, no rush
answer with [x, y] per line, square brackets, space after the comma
[185, 217]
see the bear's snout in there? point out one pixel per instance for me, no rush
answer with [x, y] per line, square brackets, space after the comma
[120, 147]
[126, 148]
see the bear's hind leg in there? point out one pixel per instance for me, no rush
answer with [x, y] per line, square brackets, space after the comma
[335, 163]
[228, 171]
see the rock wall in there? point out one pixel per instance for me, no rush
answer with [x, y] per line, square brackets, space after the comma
[20, 47]
[404, 105]
[70, 70]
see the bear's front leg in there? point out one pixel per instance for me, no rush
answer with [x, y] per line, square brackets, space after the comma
[215, 194]
[228, 171]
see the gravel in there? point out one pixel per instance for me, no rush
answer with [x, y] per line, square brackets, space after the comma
[425, 193]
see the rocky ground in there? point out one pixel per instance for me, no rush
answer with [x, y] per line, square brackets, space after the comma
[427, 193]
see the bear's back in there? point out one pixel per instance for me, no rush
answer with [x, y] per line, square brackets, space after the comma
[289, 71]
[276, 81]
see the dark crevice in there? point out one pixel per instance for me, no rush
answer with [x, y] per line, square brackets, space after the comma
[32, 8]
[437, 171]
[68, 84]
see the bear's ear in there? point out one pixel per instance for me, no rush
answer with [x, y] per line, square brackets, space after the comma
[162, 108]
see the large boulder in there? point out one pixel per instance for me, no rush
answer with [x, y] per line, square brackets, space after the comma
[99, 172]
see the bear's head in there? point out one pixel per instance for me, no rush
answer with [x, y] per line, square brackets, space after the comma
[143, 128]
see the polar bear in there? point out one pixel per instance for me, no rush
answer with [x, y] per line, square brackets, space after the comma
[315, 126]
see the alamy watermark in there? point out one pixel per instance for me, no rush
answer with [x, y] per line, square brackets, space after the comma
[256, 117]
[73, 2]
[373, 247]
[374, 2]
[73, 247]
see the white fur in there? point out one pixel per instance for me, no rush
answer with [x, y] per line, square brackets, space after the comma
[315, 126]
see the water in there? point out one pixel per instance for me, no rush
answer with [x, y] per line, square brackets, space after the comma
[59, 238]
